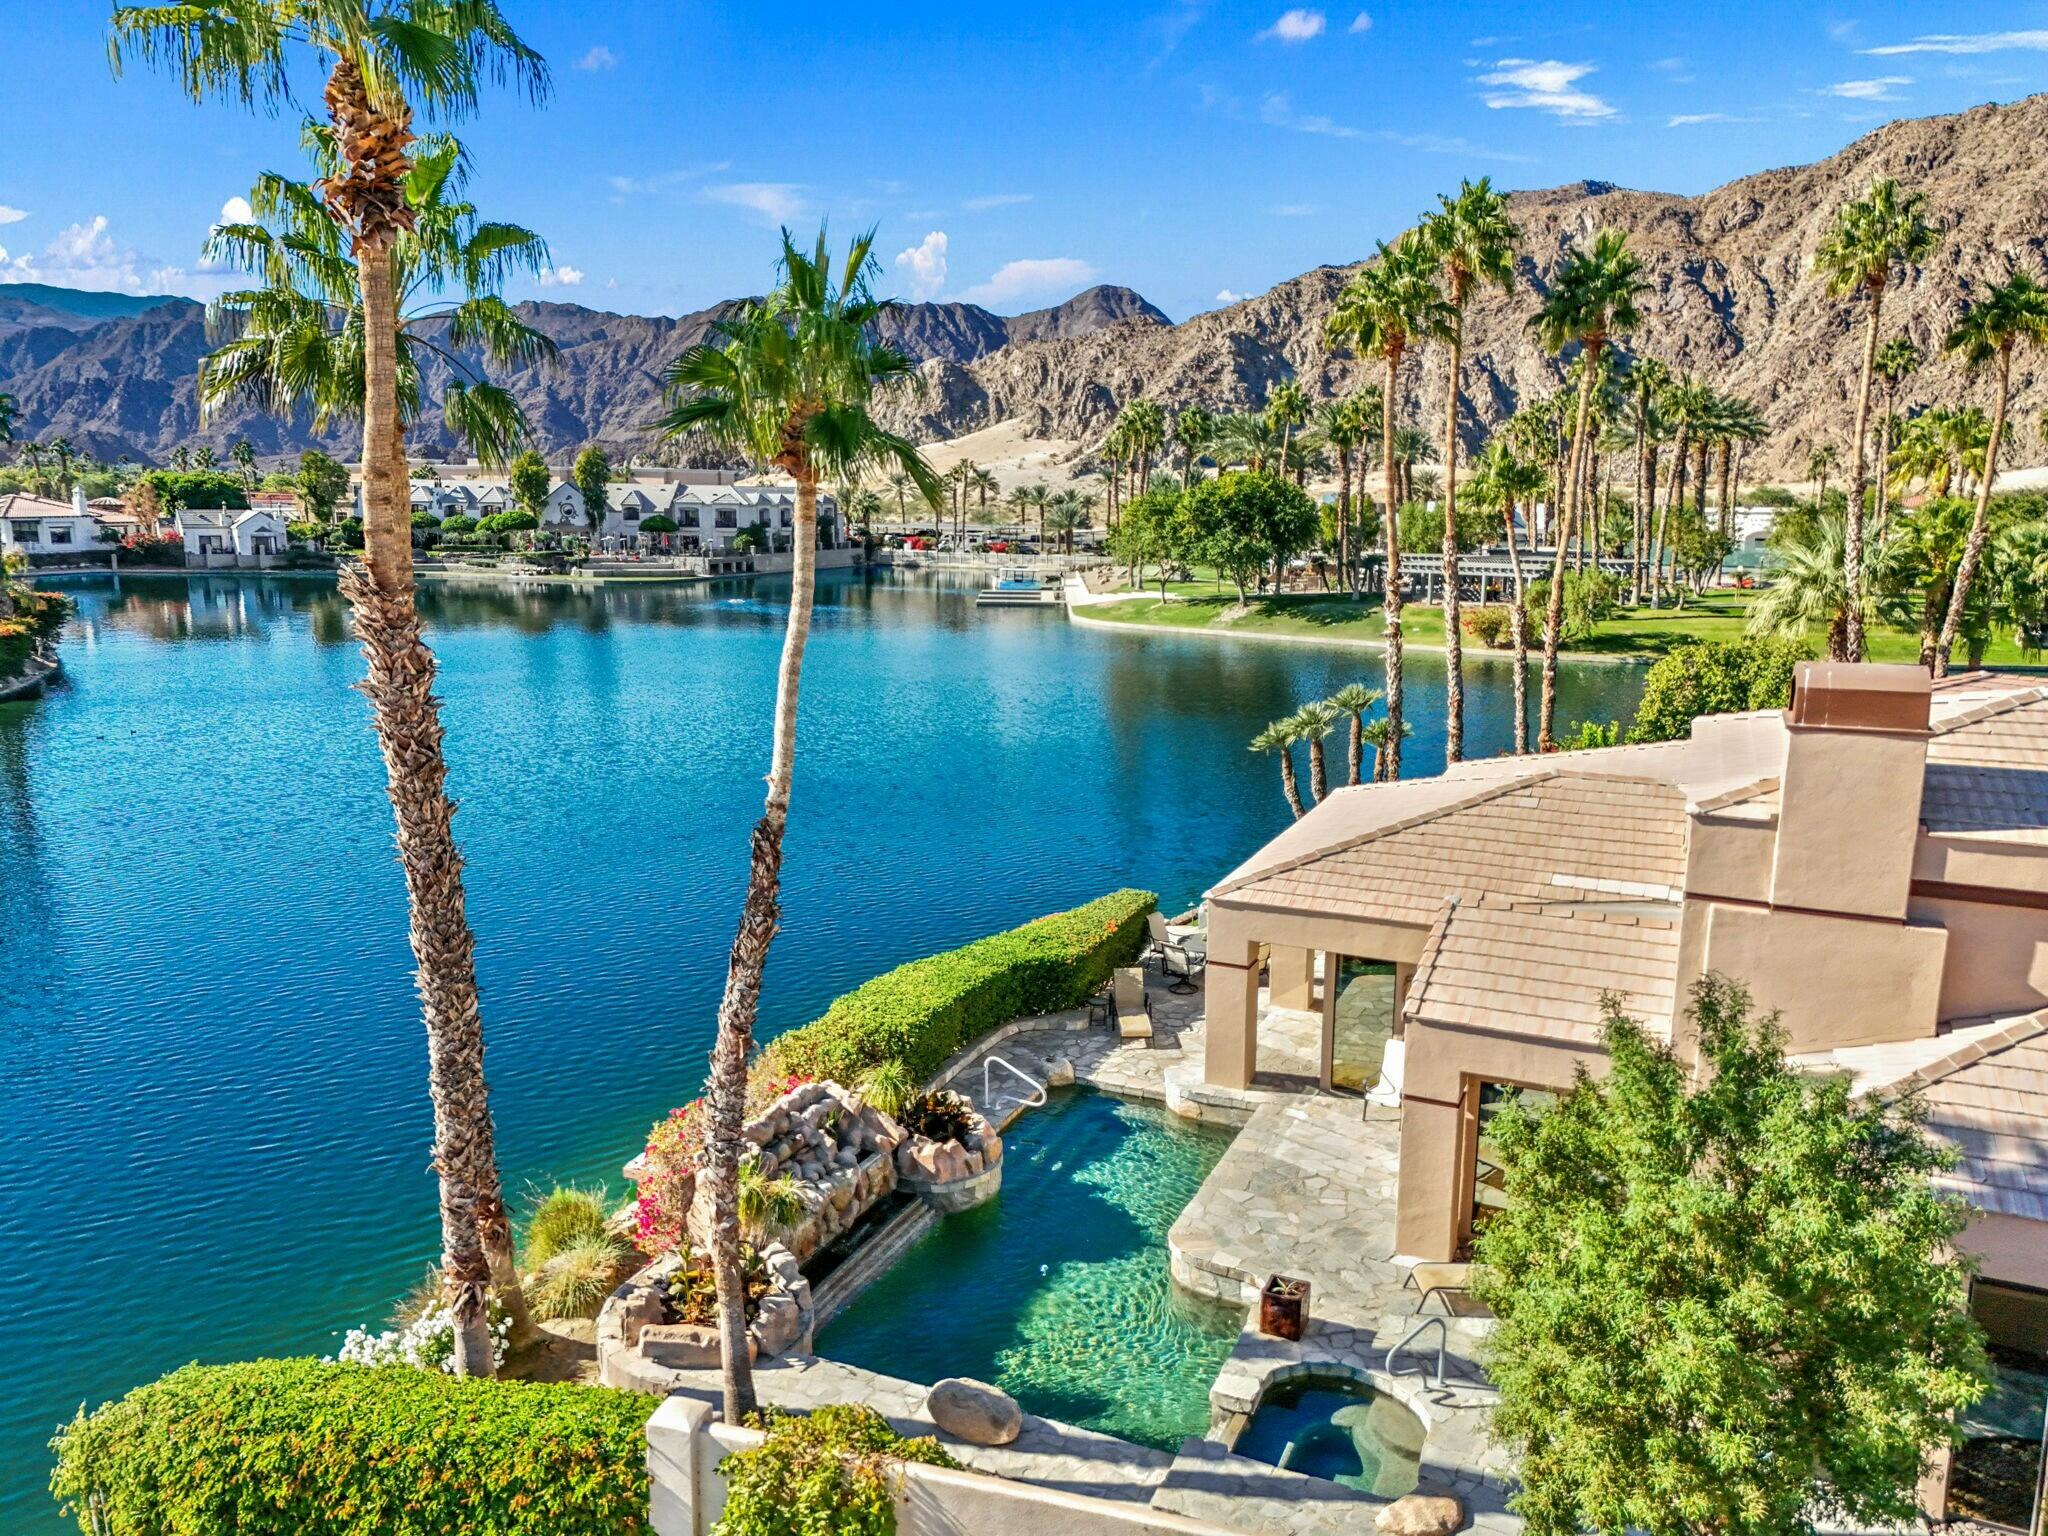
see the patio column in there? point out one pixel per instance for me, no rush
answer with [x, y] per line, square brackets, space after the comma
[1230, 1001]
[1293, 978]
[1435, 1101]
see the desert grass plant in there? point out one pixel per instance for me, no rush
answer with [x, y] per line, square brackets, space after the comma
[889, 1086]
[833, 1470]
[768, 1207]
[562, 1218]
[578, 1275]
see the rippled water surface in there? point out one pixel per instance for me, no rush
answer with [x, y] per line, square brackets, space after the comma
[213, 1123]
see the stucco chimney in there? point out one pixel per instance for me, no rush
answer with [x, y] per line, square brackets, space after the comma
[78, 500]
[1855, 761]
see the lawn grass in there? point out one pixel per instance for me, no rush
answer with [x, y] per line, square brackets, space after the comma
[1644, 633]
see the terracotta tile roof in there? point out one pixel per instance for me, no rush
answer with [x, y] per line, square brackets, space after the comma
[1555, 833]
[1987, 771]
[1542, 968]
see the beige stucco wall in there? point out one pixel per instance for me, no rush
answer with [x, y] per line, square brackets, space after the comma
[2008, 1248]
[1999, 956]
[1850, 812]
[1730, 856]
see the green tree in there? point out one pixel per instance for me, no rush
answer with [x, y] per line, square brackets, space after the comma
[1286, 409]
[1871, 235]
[789, 381]
[1726, 1299]
[1989, 332]
[1473, 241]
[1807, 589]
[1241, 523]
[321, 484]
[1592, 299]
[1313, 723]
[1390, 306]
[10, 408]
[1896, 360]
[244, 455]
[1920, 561]
[1194, 429]
[1152, 532]
[382, 58]
[1714, 677]
[1279, 739]
[591, 474]
[529, 481]
[1355, 701]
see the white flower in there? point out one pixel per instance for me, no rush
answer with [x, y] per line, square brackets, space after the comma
[427, 1342]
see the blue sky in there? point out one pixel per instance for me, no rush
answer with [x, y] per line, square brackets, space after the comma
[1011, 154]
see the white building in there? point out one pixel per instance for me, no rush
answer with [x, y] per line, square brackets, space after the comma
[36, 525]
[222, 538]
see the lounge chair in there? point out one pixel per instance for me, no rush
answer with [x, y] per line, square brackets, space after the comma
[1133, 1007]
[1179, 958]
[1442, 1281]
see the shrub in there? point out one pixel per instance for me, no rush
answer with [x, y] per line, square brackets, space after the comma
[1591, 733]
[563, 1217]
[17, 644]
[674, 1149]
[298, 1448]
[459, 525]
[578, 1276]
[657, 524]
[889, 1087]
[1714, 677]
[1492, 626]
[940, 1115]
[691, 1291]
[828, 1471]
[922, 1012]
[426, 1341]
[1589, 599]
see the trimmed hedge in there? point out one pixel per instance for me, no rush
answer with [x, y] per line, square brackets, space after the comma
[922, 1012]
[302, 1448]
[1714, 677]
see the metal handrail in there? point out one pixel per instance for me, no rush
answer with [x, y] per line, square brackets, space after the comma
[1443, 1340]
[1037, 1088]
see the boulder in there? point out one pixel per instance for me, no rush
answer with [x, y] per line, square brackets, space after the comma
[1059, 1072]
[1421, 1514]
[641, 1307]
[974, 1411]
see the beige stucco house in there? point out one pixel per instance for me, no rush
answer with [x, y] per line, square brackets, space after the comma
[1871, 862]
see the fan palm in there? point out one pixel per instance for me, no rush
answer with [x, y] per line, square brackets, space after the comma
[1279, 739]
[1647, 377]
[1684, 404]
[1388, 307]
[1062, 512]
[1921, 557]
[1592, 299]
[1286, 409]
[1313, 723]
[382, 57]
[1819, 465]
[1896, 359]
[1342, 426]
[1500, 481]
[1871, 235]
[1354, 700]
[1989, 332]
[1808, 589]
[1379, 735]
[1473, 241]
[787, 381]
[1194, 429]
[1144, 434]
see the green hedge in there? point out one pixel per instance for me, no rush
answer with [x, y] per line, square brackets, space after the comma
[301, 1448]
[921, 1013]
[1714, 677]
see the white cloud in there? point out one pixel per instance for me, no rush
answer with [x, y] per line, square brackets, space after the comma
[560, 276]
[1689, 119]
[924, 265]
[1295, 26]
[778, 202]
[235, 210]
[1882, 89]
[1033, 278]
[85, 256]
[995, 200]
[1362, 22]
[12, 215]
[1544, 84]
[1225, 296]
[1978, 42]
[599, 57]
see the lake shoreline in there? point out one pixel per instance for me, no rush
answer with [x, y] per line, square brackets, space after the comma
[1348, 642]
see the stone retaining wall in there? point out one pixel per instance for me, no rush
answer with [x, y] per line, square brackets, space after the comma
[640, 1350]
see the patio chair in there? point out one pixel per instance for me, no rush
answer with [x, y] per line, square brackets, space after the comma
[1179, 958]
[1133, 1007]
[1441, 1281]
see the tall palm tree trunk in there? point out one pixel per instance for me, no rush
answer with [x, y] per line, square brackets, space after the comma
[760, 916]
[1344, 522]
[1288, 786]
[1852, 527]
[1725, 468]
[1390, 760]
[1639, 530]
[1674, 504]
[1553, 622]
[476, 1238]
[1520, 630]
[1454, 644]
[1355, 754]
[1973, 547]
[1318, 770]
[1884, 459]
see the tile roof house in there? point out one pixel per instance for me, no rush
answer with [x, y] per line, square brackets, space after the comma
[1872, 863]
[36, 525]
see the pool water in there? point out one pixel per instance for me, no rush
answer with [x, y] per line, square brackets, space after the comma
[1338, 1430]
[1057, 1290]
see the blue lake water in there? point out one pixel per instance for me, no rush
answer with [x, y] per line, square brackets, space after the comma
[213, 1124]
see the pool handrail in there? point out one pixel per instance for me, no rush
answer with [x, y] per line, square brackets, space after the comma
[1443, 1340]
[1037, 1098]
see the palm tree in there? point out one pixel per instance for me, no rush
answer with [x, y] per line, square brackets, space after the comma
[1144, 434]
[244, 456]
[1871, 235]
[1388, 306]
[1286, 409]
[1647, 378]
[9, 409]
[1592, 299]
[1819, 465]
[1062, 512]
[1896, 359]
[1279, 738]
[1500, 480]
[787, 381]
[1194, 429]
[1313, 723]
[1379, 735]
[1808, 587]
[1354, 700]
[901, 485]
[1921, 558]
[984, 485]
[1473, 241]
[381, 57]
[1989, 331]
[1735, 420]
[1342, 426]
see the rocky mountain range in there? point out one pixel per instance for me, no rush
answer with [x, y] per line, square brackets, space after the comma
[1732, 299]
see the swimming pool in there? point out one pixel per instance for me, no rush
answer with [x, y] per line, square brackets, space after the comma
[1340, 1430]
[1057, 1290]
